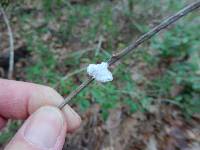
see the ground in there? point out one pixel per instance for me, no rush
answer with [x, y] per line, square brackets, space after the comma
[153, 102]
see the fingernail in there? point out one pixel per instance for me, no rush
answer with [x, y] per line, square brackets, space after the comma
[44, 127]
[74, 114]
[72, 117]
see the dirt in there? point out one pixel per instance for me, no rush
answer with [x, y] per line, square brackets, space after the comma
[167, 129]
[164, 128]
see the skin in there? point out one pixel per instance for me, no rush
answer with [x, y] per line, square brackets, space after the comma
[45, 126]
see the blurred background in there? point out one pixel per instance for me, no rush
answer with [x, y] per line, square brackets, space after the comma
[153, 102]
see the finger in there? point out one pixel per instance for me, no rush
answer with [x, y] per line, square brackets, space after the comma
[45, 129]
[19, 99]
[2, 122]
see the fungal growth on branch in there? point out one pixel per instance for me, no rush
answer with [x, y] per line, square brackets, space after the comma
[100, 72]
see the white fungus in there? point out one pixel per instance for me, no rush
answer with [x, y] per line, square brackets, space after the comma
[100, 72]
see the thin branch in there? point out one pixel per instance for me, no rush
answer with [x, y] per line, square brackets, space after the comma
[134, 45]
[76, 92]
[73, 73]
[154, 31]
[99, 45]
[80, 52]
[69, 75]
[11, 41]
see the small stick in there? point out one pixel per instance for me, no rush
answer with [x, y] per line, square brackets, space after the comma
[11, 41]
[69, 75]
[134, 45]
[99, 45]
[75, 92]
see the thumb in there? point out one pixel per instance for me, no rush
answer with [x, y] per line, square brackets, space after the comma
[44, 129]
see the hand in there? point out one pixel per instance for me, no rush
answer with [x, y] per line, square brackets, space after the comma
[46, 126]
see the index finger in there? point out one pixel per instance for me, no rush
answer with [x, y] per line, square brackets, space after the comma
[19, 99]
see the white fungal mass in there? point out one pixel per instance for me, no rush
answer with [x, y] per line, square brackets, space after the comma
[100, 72]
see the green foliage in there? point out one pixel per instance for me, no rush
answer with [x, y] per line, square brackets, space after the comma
[48, 5]
[174, 54]
[108, 96]
[4, 3]
[44, 69]
[176, 49]
[180, 45]
[6, 135]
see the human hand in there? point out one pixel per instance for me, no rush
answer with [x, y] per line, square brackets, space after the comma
[46, 126]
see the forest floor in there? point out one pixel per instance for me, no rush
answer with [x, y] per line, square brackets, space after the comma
[149, 106]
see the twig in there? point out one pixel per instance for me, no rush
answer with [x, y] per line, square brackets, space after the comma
[80, 52]
[154, 31]
[75, 92]
[99, 45]
[106, 53]
[70, 75]
[11, 41]
[134, 45]
[171, 101]
[73, 73]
